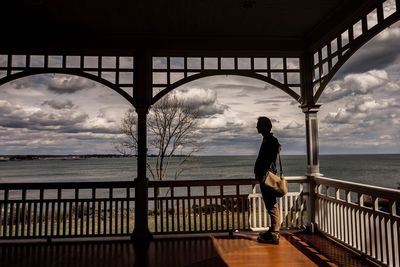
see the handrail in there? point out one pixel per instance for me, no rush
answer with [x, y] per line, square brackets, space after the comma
[121, 184]
[371, 190]
[67, 185]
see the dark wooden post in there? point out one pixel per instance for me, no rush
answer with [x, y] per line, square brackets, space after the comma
[310, 109]
[142, 98]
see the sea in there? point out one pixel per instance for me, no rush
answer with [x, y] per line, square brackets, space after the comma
[379, 170]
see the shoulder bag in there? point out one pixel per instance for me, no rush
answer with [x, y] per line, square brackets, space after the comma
[277, 182]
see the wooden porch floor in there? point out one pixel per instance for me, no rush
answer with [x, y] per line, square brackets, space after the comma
[219, 251]
[247, 252]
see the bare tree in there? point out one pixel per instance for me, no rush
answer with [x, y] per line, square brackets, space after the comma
[172, 127]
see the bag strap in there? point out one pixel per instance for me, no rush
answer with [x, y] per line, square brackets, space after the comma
[280, 165]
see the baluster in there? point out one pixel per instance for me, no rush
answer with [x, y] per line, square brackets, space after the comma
[189, 208]
[259, 210]
[336, 214]
[116, 217]
[99, 217]
[105, 217]
[184, 215]
[34, 217]
[393, 229]
[161, 215]
[243, 211]
[388, 236]
[362, 223]
[383, 240]
[172, 215]
[223, 209]
[82, 215]
[70, 215]
[397, 236]
[65, 218]
[2, 215]
[110, 190]
[367, 233]
[348, 221]
[341, 226]
[128, 196]
[87, 218]
[167, 214]
[17, 217]
[155, 205]
[255, 211]
[210, 213]
[301, 199]
[28, 232]
[58, 210]
[327, 216]
[11, 225]
[233, 213]
[93, 211]
[41, 197]
[372, 234]
[288, 210]
[23, 225]
[238, 207]
[205, 209]
[76, 211]
[200, 214]
[228, 207]
[377, 228]
[122, 231]
[178, 214]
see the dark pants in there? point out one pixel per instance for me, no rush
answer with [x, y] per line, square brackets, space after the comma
[272, 206]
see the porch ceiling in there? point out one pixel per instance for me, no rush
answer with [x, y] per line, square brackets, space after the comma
[281, 26]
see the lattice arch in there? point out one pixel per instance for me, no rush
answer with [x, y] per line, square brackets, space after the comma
[115, 72]
[170, 72]
[332, 54]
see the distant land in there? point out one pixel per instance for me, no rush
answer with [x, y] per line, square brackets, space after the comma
[68, 157]
[62, 157]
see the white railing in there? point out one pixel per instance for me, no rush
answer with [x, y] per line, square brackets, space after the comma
[93, 209]
[292, 207]
[361, 217]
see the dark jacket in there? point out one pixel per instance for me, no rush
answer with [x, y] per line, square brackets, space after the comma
[266, 156]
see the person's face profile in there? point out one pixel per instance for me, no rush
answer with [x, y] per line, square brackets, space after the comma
[259, 127]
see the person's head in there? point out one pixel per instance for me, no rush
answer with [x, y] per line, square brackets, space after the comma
[264, 125]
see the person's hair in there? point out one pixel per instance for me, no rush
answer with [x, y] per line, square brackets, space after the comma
[265, 121]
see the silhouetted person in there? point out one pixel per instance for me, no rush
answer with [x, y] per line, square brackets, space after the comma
[266, 160]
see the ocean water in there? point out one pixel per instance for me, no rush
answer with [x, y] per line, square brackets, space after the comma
[379, 170]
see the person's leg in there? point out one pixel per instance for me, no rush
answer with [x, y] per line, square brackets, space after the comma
[272, 207]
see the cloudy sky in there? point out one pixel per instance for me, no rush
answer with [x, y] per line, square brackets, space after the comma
[58, 114]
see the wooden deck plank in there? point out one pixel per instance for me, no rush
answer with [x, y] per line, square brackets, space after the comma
[238, 252]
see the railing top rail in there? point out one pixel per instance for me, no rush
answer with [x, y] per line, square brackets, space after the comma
[215, 182]
[125, 184]
[361, 188]
[67, 185]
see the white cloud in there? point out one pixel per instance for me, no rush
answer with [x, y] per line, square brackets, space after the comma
[340, 116]
[205, 100]
[63, 84]
[293, 125]
[359, 84]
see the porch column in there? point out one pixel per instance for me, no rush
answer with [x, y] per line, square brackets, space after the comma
[142, 99]
[141, 233]
[312, 163]
[312, 139]
[310, 109]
